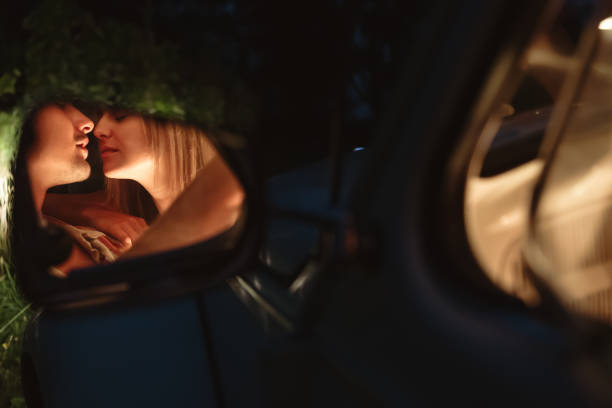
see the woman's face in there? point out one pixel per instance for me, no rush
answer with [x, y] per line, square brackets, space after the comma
[125, 151]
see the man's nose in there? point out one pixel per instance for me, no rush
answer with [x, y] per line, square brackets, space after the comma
[85, 125]
[81, 122]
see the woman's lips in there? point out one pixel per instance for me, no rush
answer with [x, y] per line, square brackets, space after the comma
[106, 151]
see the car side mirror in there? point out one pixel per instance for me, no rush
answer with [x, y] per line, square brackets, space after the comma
[208, 232]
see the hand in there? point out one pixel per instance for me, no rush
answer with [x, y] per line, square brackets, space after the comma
[90, 210]
[114, 246]
[123, 227]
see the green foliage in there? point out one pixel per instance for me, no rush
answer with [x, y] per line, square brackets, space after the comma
[8, 81]
[15, 313]
[69, 52]
[105, 62]
[9, 125]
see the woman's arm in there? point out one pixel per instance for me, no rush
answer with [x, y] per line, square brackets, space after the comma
[93, 211]
[210, 205]
[77, 259]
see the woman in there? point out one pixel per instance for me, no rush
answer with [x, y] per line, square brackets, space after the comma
[156, 167]
[162, 157]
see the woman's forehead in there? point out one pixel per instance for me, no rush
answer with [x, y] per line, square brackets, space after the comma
[93, 111]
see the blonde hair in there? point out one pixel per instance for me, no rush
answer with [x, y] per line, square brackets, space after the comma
[180, 149]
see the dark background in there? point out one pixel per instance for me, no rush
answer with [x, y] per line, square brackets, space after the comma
[291, 73]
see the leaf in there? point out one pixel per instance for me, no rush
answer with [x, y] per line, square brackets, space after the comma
[7, 83]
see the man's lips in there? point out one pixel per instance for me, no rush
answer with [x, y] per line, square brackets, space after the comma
[82, 143]
[83, 150]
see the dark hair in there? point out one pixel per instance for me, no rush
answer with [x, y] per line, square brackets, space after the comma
[31, 247]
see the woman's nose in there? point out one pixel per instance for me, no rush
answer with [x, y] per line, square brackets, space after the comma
[101, 130]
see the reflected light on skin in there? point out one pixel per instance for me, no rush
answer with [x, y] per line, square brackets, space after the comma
[606, 24]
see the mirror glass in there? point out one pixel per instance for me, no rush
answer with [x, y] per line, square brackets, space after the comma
[94, 184]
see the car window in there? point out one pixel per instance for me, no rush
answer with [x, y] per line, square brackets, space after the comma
[507, 162]
[323, 88]
[521, 133]
[570, 226]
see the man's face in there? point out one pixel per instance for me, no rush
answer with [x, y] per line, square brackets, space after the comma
[60, 147]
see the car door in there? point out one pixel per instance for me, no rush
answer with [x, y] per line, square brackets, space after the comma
[423, 325]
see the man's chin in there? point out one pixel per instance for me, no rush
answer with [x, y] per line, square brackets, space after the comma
[80, 173]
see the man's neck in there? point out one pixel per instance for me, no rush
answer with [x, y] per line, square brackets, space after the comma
[38, 195]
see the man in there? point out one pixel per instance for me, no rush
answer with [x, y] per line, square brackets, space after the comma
[58, 152]
[53, 151]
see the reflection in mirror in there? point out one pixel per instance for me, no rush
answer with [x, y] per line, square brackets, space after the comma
[142, 185]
